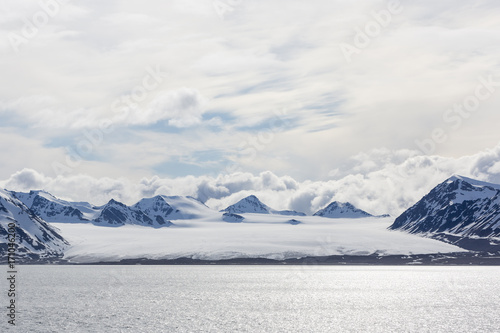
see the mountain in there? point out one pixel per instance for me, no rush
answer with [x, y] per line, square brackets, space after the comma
[459, 206]
[341, 210]
[115, 213]
[34, 238]
[52, 209]
[156, 209]
[252, 204]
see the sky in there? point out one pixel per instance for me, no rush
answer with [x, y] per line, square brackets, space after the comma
[300, 103]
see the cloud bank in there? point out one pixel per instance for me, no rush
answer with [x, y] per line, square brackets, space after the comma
[380, 181]
[201, 80]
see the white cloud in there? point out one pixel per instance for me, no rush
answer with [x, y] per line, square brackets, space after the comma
[393, 185]
[263, 57]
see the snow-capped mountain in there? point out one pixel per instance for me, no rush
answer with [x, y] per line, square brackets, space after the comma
[459, 206]
[52, 209]
[115, 213]
[341, 210]
[252, 204]
[157, 209]
[34, 237]
[155, 212]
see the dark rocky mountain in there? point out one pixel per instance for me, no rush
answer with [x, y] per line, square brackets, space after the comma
[156, 209]
[155, 212]
[115, 213]
[459, 206]
[34, 238]
[52, 209]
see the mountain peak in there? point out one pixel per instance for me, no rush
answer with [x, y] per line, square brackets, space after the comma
[252, 198]
[114, 202]
[473, 182]
[341, 210]
[460, 206]
[249, 204]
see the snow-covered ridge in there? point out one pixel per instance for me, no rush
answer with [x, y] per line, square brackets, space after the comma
[473, 182]
[153, 212]
[459, 206]
[34, 237]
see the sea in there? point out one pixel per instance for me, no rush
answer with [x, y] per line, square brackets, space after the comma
[140, 298]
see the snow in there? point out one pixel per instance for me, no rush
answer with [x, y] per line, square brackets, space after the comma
[188, 207]
[473, 182]
[39, 237]
[258, 235]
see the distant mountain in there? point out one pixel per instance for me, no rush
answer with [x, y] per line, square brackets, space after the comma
[459, 206]
[35, 239]
[115, 213]
[52, 209]
[252, 204]
[341, 210]
[155, 212]
[156, 209]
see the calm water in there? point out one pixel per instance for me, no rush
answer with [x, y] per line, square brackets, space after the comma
[256, 299]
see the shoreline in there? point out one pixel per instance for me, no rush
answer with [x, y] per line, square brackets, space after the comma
[436, 259]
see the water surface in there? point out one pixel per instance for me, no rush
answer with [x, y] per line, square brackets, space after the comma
[257, 299]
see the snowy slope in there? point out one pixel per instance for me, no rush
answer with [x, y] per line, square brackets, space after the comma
[459, 206]
[186, 207]
[252, 204]
[341, 210]
[257, 236]
[35, 238]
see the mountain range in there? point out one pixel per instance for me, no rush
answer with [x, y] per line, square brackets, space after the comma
[460, 211]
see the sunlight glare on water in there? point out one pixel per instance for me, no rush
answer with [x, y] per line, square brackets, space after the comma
[257, 299]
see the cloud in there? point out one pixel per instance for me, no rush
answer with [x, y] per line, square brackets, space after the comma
[392, 183]
[262, 57]
[182, 108]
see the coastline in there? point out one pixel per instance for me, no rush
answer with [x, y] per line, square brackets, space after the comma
[436, 259]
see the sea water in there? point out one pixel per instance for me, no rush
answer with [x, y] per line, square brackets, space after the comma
[255, 299]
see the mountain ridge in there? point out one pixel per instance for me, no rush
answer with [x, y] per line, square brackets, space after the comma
[459, 206]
